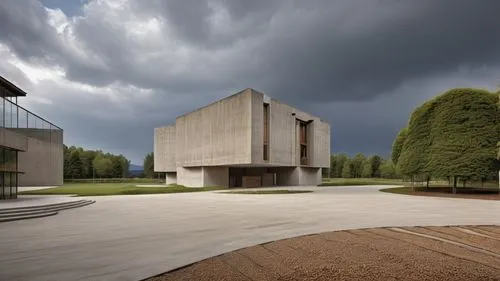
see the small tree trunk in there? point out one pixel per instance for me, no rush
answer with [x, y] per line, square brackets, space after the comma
[428, 181]
[454, 190]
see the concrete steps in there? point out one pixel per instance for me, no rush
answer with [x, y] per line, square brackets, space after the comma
[31, 212]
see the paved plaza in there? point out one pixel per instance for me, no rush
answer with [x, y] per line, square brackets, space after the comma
[134, 237]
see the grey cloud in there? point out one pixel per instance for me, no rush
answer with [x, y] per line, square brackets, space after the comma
[343, 50]
[346, 60]
[24, 27]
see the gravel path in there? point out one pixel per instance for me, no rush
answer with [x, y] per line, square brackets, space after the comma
[407, 253]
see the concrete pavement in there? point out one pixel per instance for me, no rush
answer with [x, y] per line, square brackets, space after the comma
[134, 237]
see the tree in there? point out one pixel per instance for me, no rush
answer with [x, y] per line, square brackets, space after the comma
[453, 136]
[87, 157]
[464, 135]
[346, 169]
[103, 166]
[375, 162]
[75, 165]
[357, 165]
[388, 170]
[332, 166]
[79, 163]
[413, 160]
[149, 165]
[340, 159]
[397, 145]
[336, 165]
[367, 169]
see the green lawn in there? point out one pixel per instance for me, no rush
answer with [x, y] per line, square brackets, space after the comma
[101, 189]
[276, 191]
[360, 181]
[117, 180]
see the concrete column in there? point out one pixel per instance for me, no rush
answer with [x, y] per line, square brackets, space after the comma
[216, 176]
[190, 176]
[171, 178]
[202, 176]
[309, 176]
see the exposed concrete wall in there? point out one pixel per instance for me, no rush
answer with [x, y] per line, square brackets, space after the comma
[320, 139]
[284, 149]
[190, 176]
[216, 176]
[202, 176]
[171, 178]
[231, 132]
[257, 100]
[43, 161]
[11, 139]
[298, 176]
[288, 177]
[218, 134]
[165, 149]
[309, 176]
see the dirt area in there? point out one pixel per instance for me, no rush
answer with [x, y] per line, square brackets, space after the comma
[413, 253]
[467, 193]
[491, 196]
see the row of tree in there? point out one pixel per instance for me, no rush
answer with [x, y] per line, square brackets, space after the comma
[454, 136]
[83, 164]
[360, 166]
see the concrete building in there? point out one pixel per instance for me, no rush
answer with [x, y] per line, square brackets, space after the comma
[31, 148]
[244, 140]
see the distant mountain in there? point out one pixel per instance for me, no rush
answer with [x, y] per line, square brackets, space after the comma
[133, 167]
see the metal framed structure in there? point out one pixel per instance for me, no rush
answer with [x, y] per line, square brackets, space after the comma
[15, 119]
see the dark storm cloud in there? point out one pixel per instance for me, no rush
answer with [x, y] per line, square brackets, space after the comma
[315, 54]
[378, 50]
[328, 50]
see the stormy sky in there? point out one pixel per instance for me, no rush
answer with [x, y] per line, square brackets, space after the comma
[109, 71]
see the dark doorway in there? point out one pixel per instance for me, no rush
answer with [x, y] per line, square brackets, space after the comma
[251, 177]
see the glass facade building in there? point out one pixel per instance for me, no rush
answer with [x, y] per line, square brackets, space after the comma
[17, 125]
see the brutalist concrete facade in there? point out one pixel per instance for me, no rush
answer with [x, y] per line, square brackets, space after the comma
[244, 140]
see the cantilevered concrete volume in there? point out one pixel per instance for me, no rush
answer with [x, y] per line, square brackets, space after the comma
[245, 140]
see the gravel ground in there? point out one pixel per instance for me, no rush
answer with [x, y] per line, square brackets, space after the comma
[410, 253]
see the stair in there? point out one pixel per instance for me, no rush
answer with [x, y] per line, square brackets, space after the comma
[31, 212]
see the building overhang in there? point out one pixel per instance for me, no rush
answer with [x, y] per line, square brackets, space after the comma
[10, 90]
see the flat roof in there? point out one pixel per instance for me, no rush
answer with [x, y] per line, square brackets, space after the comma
[12, 90]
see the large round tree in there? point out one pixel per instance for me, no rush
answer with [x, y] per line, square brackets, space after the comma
[453, 136]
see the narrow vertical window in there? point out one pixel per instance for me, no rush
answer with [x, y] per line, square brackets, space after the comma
[303, 143]
[266, 132]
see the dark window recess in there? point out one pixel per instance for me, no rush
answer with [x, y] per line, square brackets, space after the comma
[265, 154]
[303, 143]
